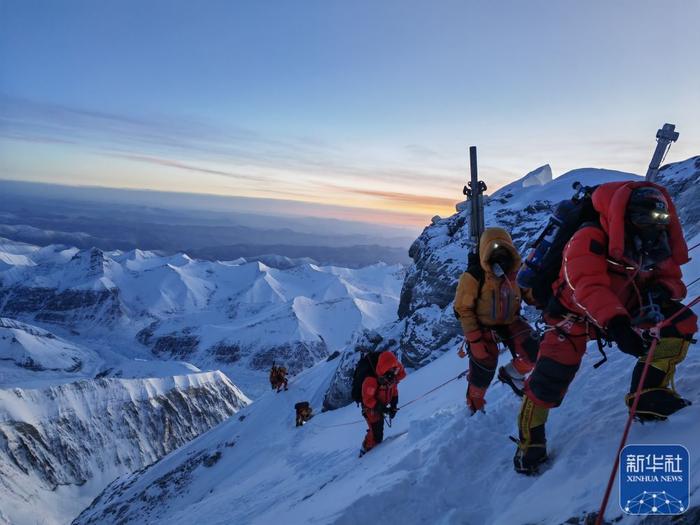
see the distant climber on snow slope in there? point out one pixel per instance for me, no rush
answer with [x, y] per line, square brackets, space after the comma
[487, 304]
[304, 412]
[618, 273]
[375, 386]
[278, 378]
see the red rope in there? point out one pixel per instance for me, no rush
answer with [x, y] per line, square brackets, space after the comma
[633, 408]
[630, 417]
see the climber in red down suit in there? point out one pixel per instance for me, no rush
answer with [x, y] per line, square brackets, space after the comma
[380, 395]
[617, 274]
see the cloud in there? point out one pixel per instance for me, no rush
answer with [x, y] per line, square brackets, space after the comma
[184, 166]
[295, 167]
[196, 139]
[405, 198]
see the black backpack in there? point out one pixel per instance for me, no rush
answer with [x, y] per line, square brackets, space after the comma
[366, 367]
[475, 270]
[543, 264]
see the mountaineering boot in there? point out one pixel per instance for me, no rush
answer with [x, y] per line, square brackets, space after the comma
[514, 378]
[656, 404]
[532, 445]
[658, 398]
[527, 459]
[475, 399]
[367, 444]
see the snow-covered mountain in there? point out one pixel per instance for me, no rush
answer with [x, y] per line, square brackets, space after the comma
[237, 316]
[60, 445]
[27, 351]
[97, 350]
[437, 464]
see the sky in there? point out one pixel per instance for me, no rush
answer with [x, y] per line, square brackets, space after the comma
[360, 110]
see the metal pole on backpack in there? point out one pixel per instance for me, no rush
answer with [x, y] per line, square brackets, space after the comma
[666, 136]
[475, 194]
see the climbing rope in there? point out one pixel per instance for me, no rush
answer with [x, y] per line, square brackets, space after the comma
[655, 333]
[441, 385]
[692, 283]
[460, 376]
[692, 248]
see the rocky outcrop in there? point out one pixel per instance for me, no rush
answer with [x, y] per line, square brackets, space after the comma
[294, 356]
[683, 180]
[63, 307]
[338, 393]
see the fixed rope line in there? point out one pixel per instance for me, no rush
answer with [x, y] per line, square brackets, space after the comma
[691, 249]
[460, 376]
[655, 332]
[355, 422]
[692, 283]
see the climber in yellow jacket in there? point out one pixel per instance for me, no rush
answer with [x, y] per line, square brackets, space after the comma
[487, 304]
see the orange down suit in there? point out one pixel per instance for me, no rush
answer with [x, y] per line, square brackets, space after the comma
[490, 311]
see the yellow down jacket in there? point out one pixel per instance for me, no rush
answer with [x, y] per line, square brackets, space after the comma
[498, 302]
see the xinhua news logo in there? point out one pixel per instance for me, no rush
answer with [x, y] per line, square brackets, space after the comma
[654, 479]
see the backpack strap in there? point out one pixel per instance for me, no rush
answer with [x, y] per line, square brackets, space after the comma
[475, 270]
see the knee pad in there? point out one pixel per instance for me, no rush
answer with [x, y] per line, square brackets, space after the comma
[479, 374]
[550, 380]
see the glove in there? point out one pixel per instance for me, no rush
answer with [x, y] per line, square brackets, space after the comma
[475, 398]
[628, 341]
[477, 348]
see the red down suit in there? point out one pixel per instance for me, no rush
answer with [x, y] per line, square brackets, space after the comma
[600, 280]
[379, 395]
